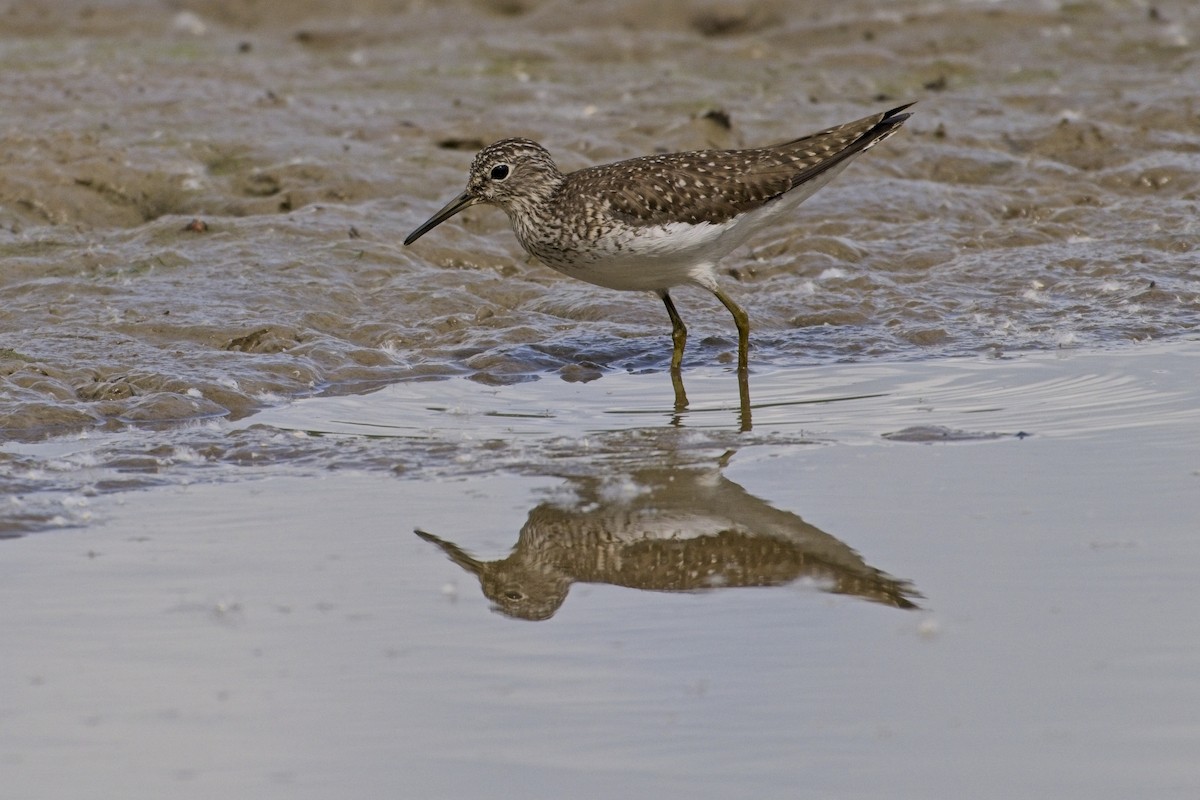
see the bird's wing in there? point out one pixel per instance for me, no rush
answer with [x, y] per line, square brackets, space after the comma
[716, 185]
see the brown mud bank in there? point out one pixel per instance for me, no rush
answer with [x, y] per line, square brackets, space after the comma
[1044, 194]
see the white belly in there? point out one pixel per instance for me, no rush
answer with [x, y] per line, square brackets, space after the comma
[647, 259]
[655, 258]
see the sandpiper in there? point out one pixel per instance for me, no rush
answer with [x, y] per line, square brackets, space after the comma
[656, 222]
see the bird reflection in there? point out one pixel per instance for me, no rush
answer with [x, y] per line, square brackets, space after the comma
[744, 415]
[668, 530]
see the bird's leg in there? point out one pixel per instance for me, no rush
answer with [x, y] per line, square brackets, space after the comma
[678, 331]
[742, 320]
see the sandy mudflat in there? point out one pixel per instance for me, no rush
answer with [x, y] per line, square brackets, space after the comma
[1042, 195]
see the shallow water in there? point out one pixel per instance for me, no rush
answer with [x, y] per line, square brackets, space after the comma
[973, 391]
[269, 623]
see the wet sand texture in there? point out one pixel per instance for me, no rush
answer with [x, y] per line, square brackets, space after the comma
[1043, 196]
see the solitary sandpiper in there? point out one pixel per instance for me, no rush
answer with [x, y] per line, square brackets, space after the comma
[656, 222]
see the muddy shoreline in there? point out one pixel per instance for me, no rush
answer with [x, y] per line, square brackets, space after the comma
[1042, 196]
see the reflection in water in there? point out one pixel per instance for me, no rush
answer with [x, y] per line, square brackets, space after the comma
[670, 530]
[745, 420]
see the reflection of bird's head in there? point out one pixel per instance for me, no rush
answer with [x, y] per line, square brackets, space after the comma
[523, 594]
[516, 588]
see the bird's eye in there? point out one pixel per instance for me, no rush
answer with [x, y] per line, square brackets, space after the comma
[513, 594]
[499, 172]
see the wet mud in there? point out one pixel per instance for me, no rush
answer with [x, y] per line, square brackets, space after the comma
[1043, 195]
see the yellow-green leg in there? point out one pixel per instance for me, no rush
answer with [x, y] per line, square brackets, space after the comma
[678, 332]
[742, 320]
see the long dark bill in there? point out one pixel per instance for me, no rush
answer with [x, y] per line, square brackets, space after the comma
[456, 205]
[456, 553]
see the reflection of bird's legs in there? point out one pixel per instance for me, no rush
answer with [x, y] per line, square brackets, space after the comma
[681, 401]
[745, 423]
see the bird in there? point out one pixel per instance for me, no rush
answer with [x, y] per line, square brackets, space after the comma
[659, 221]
